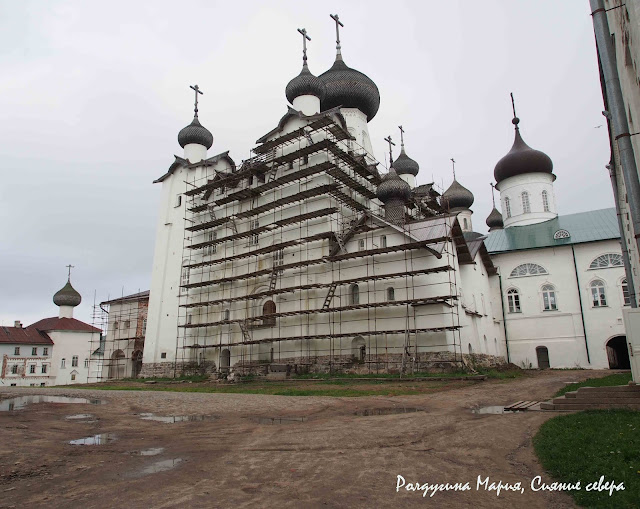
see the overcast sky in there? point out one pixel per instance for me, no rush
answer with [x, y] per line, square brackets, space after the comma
[93, 94]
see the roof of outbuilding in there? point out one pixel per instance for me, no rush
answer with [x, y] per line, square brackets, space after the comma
[63, 324]
[582, 227]
[24, 336]
[134, 296]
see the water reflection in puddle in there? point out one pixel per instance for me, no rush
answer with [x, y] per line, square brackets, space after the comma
[493, 410]
[176, 418]
[101, 439]
[149, 452]
[159, 466]
[8, 405]
[388, 411]
[277, 420]
[78, 417]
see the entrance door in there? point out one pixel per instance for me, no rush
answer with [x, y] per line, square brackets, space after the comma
[617, 353]
[543, 357]
[225, 360]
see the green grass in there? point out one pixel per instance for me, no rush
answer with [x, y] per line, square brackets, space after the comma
[617, 379]
[189, 378]
[586, 445]
[490, 373]
[321, 389]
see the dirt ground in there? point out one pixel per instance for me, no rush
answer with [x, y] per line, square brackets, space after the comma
[241, 457]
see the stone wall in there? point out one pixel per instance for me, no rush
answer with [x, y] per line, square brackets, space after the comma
[168, 369]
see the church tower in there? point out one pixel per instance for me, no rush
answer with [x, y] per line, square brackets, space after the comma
[525, 179]
[457, 199]
[406, 167]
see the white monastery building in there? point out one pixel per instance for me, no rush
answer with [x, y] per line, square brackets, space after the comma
[306, 257]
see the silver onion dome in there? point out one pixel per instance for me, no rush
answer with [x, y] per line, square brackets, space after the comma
[305, 83]
[393, 187]
[195, 132]
[67, 296]
[457, 197]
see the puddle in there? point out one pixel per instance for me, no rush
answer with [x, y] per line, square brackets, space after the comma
[8, 405]
[387, 411]
[77, 417]
[101, 439]
[277, 420]
[149, 452]
[493, 410]
[176, 418]
[159, 466]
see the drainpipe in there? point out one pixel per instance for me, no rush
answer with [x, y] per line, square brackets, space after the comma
[504, 318]
[623, 244]
[616, 108]
[584, 328]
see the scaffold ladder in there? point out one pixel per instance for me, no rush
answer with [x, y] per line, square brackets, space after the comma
[329, 297]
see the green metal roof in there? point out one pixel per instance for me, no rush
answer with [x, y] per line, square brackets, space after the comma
[582, 227]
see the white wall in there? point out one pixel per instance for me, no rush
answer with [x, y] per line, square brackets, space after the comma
[534, 184]
[70, 344]
[24, 360]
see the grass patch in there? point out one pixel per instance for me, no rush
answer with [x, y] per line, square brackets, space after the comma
[185, 378]
[490, 373]
[584, 446]
[617, 379]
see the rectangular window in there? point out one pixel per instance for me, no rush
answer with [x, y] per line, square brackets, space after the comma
[383, 241]
[32, 368]
[73, 377]
[212, 248]
[16, 350]
[74, 361]
[86, 363]
[34, 350]
[255, 237]
[178, 201]
[45, 351]
[14, 369]
[42, 384]
[63, 363]
[185, 276]
[278, 258]
[127, 324]
[163, 355]
[44, 368]
[144, 326]
[361, 245]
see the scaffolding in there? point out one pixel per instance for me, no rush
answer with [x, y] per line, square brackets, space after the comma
[289, 260]
[123, 322]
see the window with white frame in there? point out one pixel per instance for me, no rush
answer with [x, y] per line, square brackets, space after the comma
[32, 368]
[528, 269]
[607, 260]
[74, 361]
[16, 350]
[278, 258]
[361, 245]
[255, 236]
[626, 299]
[354, 291]
[598, 294]
[526, 205]
[44, 368]
[212, 248]
[549, 302]
[63, 362]
[545, 201]
[184, 277]
[507, 206]
[14, 369]
[513, 301]
[561, 234]
[86, 363]
[383, 241]
[464, 222]
[34, 350]
[45, 351]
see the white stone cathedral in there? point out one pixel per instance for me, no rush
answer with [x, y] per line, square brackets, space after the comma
[305, 258]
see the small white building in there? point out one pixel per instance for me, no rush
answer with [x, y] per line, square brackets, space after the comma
[26, 356]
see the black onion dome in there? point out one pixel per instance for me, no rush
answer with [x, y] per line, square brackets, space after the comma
[349, 88]
[404, 165]
[195, 132]
[457, 196]
[494, 220]
[305, 83]
[67, 296]
[521, 159]
[393, 187]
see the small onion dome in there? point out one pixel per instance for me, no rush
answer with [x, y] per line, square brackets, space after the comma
[494, 220]
[305, 83]
[195, 132]
[404, 165]
[521, 159]
[457, 197]
[67, 296]
[349, 88]
[393, 187]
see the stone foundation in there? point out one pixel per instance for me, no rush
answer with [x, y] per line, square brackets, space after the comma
[433, 362]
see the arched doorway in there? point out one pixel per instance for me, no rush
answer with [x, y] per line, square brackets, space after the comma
[117, 365]
[136, 359]
[617, 353]
[268, 308]
[225, 360]
[542, 353]
[358, 348]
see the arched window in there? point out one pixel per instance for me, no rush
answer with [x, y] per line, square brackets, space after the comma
[545, 201]
[464, 222]
[470, 349]
[526, 206]
[184, 280]
[507, 206]
[625, 292]
[549, 298]
[607, 260]
[383, 241]
[513, 300]
[391, 293]
[269, 308]
[354, 292]
[528, 269]
[561, 234]
[361, 245]
[226, 315]
[598, 294]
